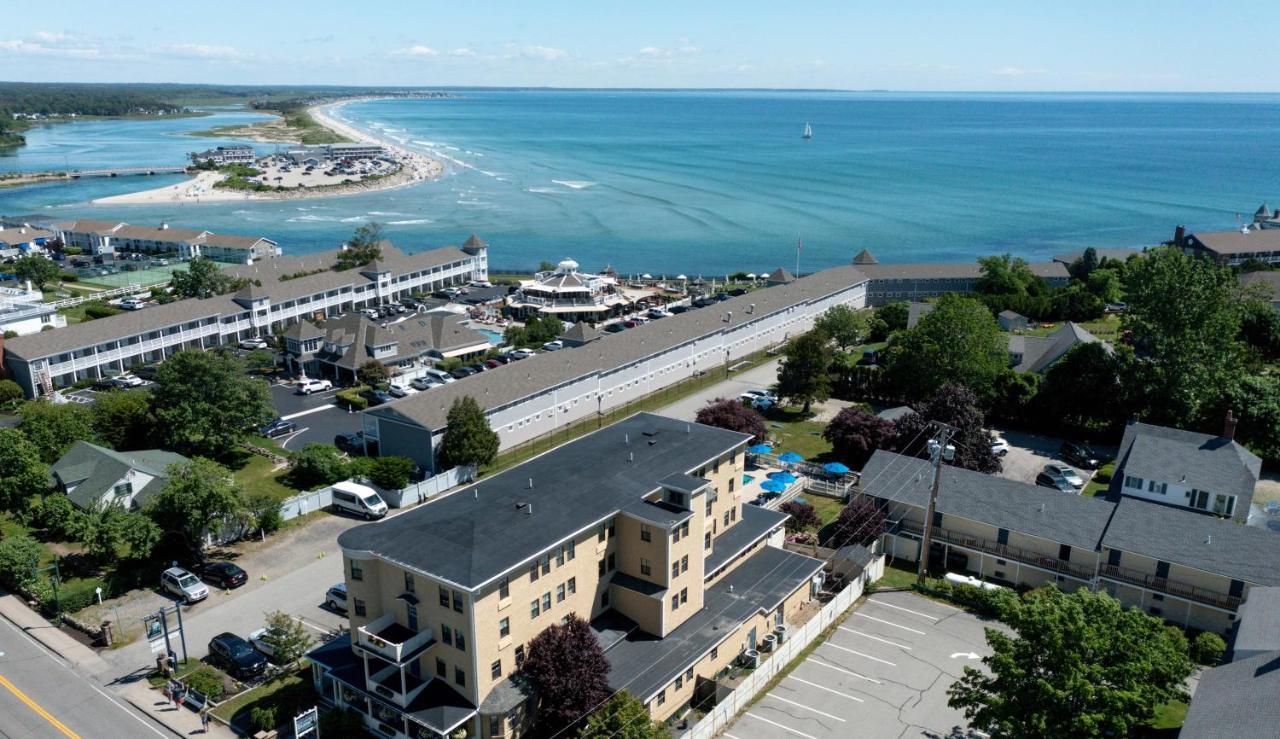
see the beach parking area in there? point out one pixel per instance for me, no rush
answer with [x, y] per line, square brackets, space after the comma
[278, 170]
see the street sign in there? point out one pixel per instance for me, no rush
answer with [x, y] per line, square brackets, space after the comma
[306, 725]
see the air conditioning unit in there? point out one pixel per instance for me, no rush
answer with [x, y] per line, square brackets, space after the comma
[781, 631]
[768, 642]
[750, 659]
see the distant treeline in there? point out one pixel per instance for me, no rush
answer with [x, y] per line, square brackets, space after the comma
[61, 99]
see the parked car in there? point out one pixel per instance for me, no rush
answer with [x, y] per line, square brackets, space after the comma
[494, 363]
[552, 346]
[278, 427]
[999, 446]
[184, 585]
[675, 309]
[615, 328]
[351, 443]
[253, 342]
[377, 397]
[738, 291]
[425, 383]
[119, 382]
[401, 389]
[477, 368]
[1066, 473]
[237, 655]
[440, 376]
[1046, 480]
[703, 302]
[307, 387]
[133, 304]
[759, 393]
[358, 500]
[1079, 455]
[223, 574]
[336, 598]
[259, 641]
[503, 359]
[657, 313]
[462, 373]
[146, 372]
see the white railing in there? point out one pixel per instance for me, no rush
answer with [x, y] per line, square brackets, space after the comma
[772, 663]
[367, 637]
[113, 292]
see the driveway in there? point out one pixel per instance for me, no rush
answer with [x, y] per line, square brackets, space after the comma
[757, 378]
[884, 672]
[1029, 453]
[318, 419]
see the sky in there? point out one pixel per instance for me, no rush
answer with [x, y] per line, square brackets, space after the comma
[925, 45]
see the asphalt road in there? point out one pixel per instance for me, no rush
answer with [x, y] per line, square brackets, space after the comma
[40, 696]
[318, 419]
[756, 378]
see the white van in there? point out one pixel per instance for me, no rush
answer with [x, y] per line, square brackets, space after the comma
[441, 375]
[358, 499]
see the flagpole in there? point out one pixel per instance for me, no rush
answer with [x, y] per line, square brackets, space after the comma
[798, 244]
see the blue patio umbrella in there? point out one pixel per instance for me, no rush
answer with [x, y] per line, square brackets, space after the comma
[790, 458]
[773, 486]
[759, 449]
[784, 477]
[836, 468]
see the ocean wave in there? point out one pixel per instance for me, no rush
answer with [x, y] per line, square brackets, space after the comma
[354, 219]
[576, 184]
[473, 202]
[425, 143]
[452, 148]
[386, 213]
[490, 174]
[298, 219]
[543, 190]
[410, 222]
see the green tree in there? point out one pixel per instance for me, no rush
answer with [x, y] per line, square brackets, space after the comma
[623, 717]
[1184, 318]
[1260, 328]
[203, 278]
[894, 314]
[1087, 371]
[200, 496]
[846, 327]
[1082, 269]
[1105, 283]
[56, 515]
[10, 393]
[1078, 665]
[317, 465]
[53, 428]
[22, 474]
[468, 438]
[122, 420]
[40, 270]
[804, 375]
[372, 372]
[958, 342]
[203, 402]
[1255, 401]
[364, 246]
[1006, 275]
[105, 528]
[391, 473]
[18, 558]
[260, 360]
[956, 406]
[287, 637]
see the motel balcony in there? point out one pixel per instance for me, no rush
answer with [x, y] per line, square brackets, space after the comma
[391, 641]
[1170, 587]
[1003, 551]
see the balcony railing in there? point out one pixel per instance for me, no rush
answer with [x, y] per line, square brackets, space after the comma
[385, 637]
[1172, 587]
[1004, 551]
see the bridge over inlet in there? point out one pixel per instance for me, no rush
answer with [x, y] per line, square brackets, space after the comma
[122, 171]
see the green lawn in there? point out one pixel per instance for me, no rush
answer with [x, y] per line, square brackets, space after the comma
[289, 694]
[827, 508]
[1095, 487]
[73, 590]
[1107, 327]
[1170, 716]
[897, 576]
[793, 432]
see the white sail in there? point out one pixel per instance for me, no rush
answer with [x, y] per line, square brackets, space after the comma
[808, 132]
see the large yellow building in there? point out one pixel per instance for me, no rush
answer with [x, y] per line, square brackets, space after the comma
[638, 528]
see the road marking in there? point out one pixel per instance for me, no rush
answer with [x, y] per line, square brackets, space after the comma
[889, 623]
[38, 709]
[829, 690]
[841, 669]
[860, 654]
[966, 655]
[311, 626]
[787, 729]
[886, 641]
[285, 444]
[900, 608]
[807, 708]
[307, 412]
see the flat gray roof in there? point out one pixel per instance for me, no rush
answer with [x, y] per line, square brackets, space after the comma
[944, 270]
[534, 375]
[479, 533]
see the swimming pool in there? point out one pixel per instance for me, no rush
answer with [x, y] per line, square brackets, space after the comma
[494, 337]
[746, 480]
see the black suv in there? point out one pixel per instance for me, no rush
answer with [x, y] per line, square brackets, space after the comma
[237, 655]
[1079, 455]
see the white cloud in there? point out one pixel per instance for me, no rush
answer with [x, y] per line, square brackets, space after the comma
[545, 53]
[462, 53]
[204, 51]
[1017, 72]
[50, 44]
[417, 50]
[53, 38]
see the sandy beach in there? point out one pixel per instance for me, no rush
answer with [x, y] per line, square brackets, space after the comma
[414, 168]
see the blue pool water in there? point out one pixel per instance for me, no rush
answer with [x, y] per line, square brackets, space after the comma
[494, 337]
[746, 480]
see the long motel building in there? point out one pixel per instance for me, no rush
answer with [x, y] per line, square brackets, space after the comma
[1185, 565]
[638, 528]
[280, 293]
[527, 399]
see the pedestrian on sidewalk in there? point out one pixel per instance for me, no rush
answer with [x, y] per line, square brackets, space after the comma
[177, 698]
[168, 691]
[204, 720]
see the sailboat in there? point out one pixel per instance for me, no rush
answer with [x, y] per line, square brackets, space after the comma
[808, 132]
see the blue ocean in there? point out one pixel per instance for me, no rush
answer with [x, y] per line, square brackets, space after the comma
[709, 182]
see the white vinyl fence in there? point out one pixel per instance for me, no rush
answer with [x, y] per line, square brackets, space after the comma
[771, 664]
[419, 492]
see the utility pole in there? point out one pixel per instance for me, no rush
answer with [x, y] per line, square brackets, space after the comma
[939, 450]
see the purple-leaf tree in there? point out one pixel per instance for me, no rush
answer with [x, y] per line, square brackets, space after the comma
[734, 415]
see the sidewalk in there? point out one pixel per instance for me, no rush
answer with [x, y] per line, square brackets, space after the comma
[181, 722]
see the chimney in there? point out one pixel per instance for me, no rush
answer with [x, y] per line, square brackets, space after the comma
[1229, 426]
[1179, 234]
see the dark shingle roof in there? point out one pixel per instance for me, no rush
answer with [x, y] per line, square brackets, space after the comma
[1236, 700]
[93, 470]
[865, 257]
[754, 525]
[1257, 624]
[1039, 352]
[1000, 502]
[574, 486]
[1199, 461]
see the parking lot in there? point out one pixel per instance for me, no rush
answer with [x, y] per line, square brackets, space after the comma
[1029, 453]
[318, 419]
[884, 672]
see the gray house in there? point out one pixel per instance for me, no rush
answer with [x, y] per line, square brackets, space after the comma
[1011, 321]
[91, 475]
[337, 348]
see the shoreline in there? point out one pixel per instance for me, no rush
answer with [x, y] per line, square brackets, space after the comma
[415, 168]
